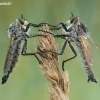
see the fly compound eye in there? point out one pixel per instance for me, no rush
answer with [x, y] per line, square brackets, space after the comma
[74, 20]
[21, 21]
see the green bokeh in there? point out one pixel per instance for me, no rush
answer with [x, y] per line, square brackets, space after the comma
[26, 82]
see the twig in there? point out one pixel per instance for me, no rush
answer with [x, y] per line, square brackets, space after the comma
[59, 86]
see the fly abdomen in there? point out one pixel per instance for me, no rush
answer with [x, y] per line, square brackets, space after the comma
[89, 72]
[91, 76]
[11, 59]
[86, 55]
[4, 79]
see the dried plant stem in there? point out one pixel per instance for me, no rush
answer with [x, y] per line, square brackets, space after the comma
[59, 86]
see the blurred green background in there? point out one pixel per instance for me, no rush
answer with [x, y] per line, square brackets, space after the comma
[26, 82]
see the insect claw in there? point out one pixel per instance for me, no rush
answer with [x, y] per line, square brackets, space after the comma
[91, 78]
[4, 79]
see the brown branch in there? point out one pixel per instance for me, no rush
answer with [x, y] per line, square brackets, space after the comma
[59, 86]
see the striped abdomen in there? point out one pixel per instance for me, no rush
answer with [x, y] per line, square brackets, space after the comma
[86, 55]
[11, 58]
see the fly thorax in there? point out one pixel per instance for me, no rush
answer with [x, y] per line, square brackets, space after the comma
[73, 35]
[82, 29]
[13, 29]
[19, 34]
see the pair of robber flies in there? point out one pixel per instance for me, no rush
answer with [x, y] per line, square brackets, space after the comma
[75, 31]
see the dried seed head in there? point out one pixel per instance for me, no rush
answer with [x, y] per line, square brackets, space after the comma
[59, 87]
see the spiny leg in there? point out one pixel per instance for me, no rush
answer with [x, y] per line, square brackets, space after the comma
[40, 25]
[62, 49]
[23, 52]
[35, 35]
[75, 54]
[56, 35]
[57, 27]
[64, 27]
[61, 25]
[61, 52]
[37, 25]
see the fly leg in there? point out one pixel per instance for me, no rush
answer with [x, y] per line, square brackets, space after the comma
[35, 35]
[62, 49]
[24, 53]
[36, 25]
[61, 25]
[61, 52]
[75, 54]
[63, 36]
[41, 24]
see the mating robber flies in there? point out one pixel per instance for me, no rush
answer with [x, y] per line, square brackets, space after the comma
[17, 32]
[77, 32]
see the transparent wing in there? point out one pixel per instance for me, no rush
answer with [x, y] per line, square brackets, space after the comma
[9, 48]
[86, 53]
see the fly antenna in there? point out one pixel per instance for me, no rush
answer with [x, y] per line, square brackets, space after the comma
[72, 14]
[21, 16]
[94, 43]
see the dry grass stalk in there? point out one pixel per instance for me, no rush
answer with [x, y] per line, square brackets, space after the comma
[59, 86]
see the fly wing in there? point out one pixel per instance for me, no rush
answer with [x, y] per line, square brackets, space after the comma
[87, 57]
[11, 58]
[86, 51]
[9, 48]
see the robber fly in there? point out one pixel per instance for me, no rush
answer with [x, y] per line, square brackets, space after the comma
[77, 32]
[17, 32]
